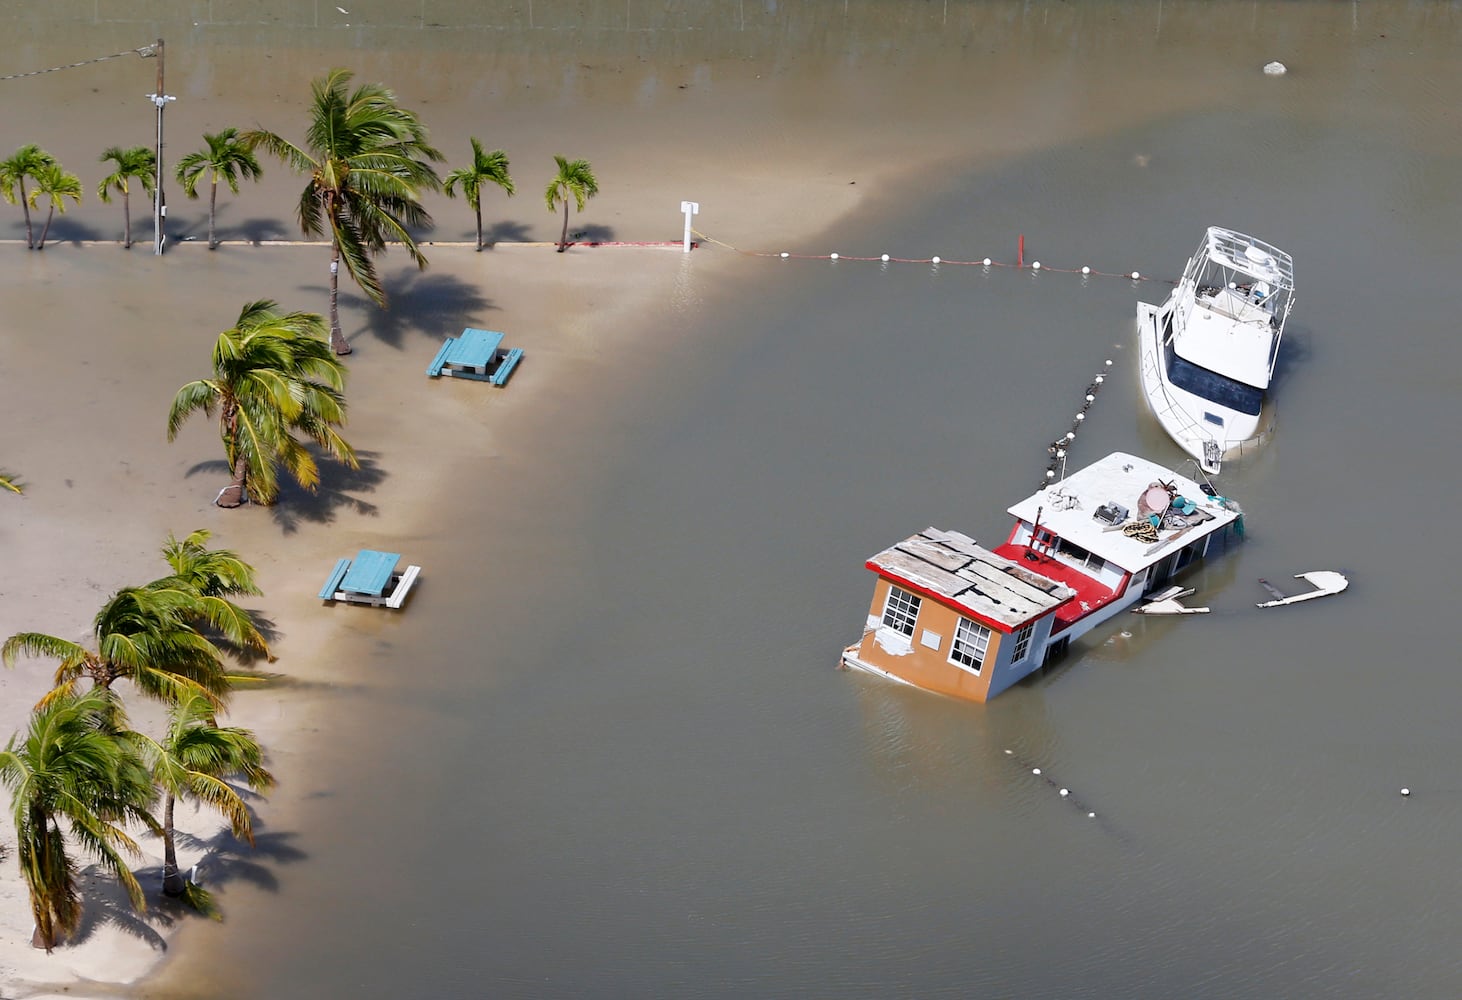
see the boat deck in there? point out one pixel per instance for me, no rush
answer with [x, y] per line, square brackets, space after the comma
[1091, 595]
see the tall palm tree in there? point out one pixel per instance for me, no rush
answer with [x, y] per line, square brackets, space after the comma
[143, 634]
[70, 766]
[24, 163]
[368, 160]
[139, 163]
[486, 168]
[194, 760]
[227, 157]
[576, 178]
[272, 375]
[57, 185]
[214, 576]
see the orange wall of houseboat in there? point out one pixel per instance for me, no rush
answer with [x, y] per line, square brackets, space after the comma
[930, 668]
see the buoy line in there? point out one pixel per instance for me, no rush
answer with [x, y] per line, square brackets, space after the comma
[1062, 791]
[940, 261]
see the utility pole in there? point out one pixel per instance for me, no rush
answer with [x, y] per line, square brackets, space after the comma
[159, 203]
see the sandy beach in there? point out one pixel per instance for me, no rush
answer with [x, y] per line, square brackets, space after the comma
[95, 340]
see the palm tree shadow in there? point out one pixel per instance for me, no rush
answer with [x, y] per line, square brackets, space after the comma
[66, 230]
[591, 234]
[226, 859]
[337, 483]
[261, 229]
[432, 303]
[106, 905]
[505, 232]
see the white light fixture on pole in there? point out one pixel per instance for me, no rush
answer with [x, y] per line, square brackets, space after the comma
[690, 208]
[159, 203]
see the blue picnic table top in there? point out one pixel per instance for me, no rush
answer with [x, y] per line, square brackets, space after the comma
[370, 571]
[474, 349]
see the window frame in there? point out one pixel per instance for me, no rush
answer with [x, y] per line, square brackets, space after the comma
[1021, 647]
[906, 614]
[968, 635]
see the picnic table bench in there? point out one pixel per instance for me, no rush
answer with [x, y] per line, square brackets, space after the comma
[370, 578]
[477, 355]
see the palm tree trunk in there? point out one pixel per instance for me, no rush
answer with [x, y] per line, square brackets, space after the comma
[236, 492]
[126, 221]
[50, 214]
[40, 907]
[212, 203]
[172, 879]
[30, 240]
[479, 227]
[563, 240]
[338, 343]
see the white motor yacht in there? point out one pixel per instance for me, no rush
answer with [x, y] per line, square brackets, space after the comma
[1208, 352]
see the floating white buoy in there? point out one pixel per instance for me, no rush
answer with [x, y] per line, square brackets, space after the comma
[1070, 435]
[1136, 276]
[1064, 793]
[934, 260]
[1100, 378]
[1050, 473]
[1091, 815]
[1035, 770]
[987, 261]
[1275, 68]
[885, 258]
[1036, 265]
[1081, 416]
[1109, 362]
[785, 255]
[1009, 751]
[1405, 792]
[1060, 452]
[1090, 398]
[834, 256]
[1085, 269]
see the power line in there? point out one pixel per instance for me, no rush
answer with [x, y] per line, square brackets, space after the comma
[145, 52]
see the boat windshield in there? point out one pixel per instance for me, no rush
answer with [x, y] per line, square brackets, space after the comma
[1212, 386]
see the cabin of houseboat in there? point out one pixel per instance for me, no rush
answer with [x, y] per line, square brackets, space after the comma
[951, 616]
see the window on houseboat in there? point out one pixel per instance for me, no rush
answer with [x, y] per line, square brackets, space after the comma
[901, 610]
[1023, 642]
[1081, 556]
[971, 640]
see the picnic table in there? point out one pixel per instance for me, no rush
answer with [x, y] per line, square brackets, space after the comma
[370, 578]
[476, 354]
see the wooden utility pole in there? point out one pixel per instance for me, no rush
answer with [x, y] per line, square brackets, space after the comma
[159, 202]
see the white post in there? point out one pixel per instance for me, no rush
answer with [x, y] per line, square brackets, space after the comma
[690, 208]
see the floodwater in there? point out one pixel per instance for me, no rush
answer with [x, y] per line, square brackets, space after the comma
[642, 775]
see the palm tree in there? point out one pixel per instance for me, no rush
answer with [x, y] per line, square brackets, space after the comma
[143, 634]
[215, 575]
[24, 162]
[137, 162]
[10, 481]
[70, 765]
[486, 168]
[226, 157]
[575, 177]
[272, 374]
[367, 160]
[57, 185]
[193, 761]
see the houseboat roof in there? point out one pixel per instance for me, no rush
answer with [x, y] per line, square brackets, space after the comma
[1068, 509]
[953, 568]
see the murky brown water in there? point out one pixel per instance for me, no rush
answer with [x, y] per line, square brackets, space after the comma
[645, 777]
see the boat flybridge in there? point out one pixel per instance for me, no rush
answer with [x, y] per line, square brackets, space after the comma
[1208, 353]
